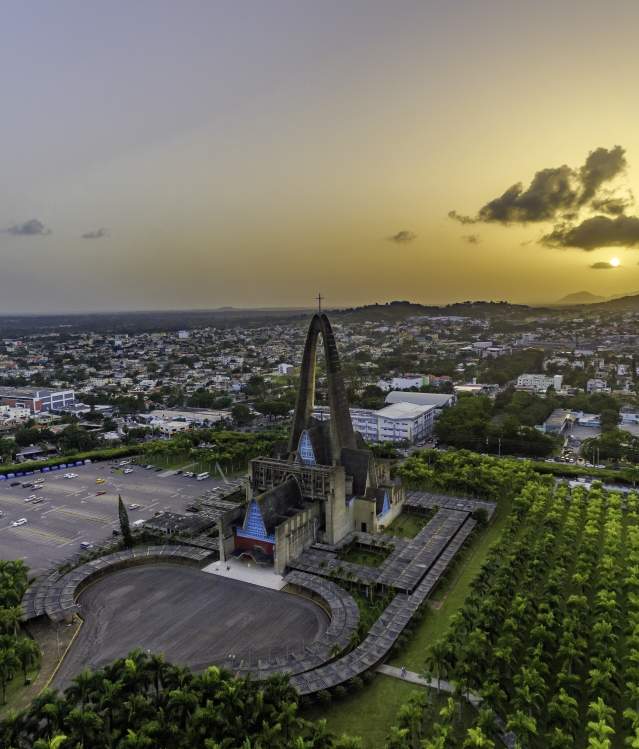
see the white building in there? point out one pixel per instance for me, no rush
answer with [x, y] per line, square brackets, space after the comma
[403, 383]
[597, 385]
[398, 422]
[284, 369]
[438, 400]
[539, 382]
[14, 414]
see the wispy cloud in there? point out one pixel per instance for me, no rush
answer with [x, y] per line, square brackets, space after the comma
[96, 234]
[471, 238]
[602, 266]
[403, 237]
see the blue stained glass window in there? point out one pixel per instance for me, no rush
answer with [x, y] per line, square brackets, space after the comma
[254, 523]
[305, 451]
[385, 506]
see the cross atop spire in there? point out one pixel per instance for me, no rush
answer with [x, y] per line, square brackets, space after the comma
[319, 302]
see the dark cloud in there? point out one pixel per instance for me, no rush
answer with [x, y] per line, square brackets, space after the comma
[403, 237]
[601, 166]
[96, 234]
[602, 266]
[550, 192]
[471, 238]
[598, 231]
[612, 205]
[554, 193]
[30, 228]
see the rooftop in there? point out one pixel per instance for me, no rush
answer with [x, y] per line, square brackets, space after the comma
[404, 410]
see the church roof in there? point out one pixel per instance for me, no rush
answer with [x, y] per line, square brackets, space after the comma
[358, 463]
[280, 503]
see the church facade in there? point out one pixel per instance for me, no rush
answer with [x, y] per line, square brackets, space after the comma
[326, 483]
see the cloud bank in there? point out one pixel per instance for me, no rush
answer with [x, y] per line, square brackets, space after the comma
[561, 195]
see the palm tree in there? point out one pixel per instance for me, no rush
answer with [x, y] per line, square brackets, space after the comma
[477, 739]
[8, 664]
[53, 743]
[27, 651]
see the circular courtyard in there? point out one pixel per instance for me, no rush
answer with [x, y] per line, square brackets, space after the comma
[193, 618]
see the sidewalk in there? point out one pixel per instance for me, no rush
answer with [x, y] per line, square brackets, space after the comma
[251, 573]
[412, 677]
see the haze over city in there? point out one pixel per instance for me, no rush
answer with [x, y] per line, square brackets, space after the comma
[194, 155]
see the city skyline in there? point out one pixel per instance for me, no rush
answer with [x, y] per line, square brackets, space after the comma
[214, 154]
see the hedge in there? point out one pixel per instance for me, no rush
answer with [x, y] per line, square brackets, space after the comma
[33, 466]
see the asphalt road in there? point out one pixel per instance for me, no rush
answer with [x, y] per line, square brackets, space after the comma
[72, 512]
[194, 618]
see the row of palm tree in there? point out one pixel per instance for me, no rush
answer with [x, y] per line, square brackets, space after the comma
[549, 635]
[142, 702]
[18, 652]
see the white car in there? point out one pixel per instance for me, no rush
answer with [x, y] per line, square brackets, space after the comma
[30, 499]
[128, 470]
[16, 523]
[70, 475]
[134, 506]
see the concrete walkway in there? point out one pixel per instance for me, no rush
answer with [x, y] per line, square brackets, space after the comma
[412, 677]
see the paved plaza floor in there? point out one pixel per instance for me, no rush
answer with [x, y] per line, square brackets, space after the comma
[193, 618]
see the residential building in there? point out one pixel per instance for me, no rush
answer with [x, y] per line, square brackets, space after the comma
[539, 382]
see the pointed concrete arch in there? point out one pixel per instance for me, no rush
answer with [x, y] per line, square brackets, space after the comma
[341, 427]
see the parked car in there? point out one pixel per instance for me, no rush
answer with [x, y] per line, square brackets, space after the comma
[134, 506]
[14, 483]
[99, 494]
[128, 470]
[27, 485]
[16, 523]
[86, 545]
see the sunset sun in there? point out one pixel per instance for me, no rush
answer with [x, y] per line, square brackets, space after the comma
[615, 262]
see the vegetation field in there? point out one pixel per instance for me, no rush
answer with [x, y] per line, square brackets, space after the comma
[359, 555]
[408, 524]
[549, 634]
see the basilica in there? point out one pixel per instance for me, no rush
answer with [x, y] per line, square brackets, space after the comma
[325, 483]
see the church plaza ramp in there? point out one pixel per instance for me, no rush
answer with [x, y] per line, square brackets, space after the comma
[193, 618]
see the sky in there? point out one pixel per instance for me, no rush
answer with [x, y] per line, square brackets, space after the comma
[197, 154]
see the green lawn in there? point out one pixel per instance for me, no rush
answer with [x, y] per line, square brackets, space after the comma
[16, 690]
[450, 597]
[371, 711]
[368, 713]
[408, 525]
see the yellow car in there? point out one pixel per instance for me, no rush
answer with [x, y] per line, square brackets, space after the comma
[99, 481]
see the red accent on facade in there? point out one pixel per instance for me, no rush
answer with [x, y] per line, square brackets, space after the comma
[248, 544]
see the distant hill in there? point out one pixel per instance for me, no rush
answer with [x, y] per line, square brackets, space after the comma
[400, 310]
[628, 303]
[582, 297]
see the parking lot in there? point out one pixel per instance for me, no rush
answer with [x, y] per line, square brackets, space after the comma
[75, 510]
